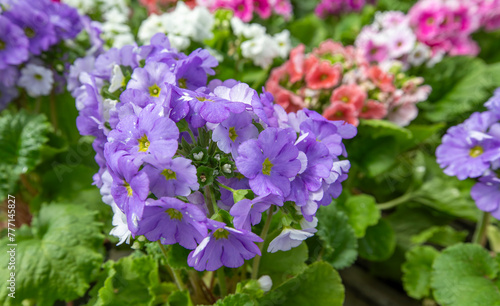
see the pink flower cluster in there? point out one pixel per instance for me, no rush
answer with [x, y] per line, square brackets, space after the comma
[244, 9]
[336, 7]
[446, 25]
[341, 84]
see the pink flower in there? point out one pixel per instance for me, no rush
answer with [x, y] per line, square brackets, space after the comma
[373, 110]
[323, 75]
[263, 8]
[295, 65]
[289, 101]
[342, 111]
[404, 114]
[349, 94]
[381, 79]
[243, 9]
[283, 7]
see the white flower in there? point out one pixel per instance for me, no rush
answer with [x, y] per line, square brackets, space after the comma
[83, 6]
[419, 55]
[283, 42]
[115, 15]
[178, 42]
[288, 239]
[152, 25]
[123, 39]
[261, 50]
[107, 106]
[121, 228]
[265, 282]
[402, 41]
[105, 190]
[247, 30]
[117, 79]
[37, 80]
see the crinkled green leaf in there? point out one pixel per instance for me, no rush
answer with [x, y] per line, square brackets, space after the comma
[177, 257]
[59, 258]
[133, 281]
[440, 235]
[179, 298]
[362, 212]
[339, 240]
[309, 30]
[417, 271]
[379, 242]
[283, 264]
[239, 299]
[464, 275]
[22, 135]
[319, 284]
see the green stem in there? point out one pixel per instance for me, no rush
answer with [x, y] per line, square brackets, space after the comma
[53, 111]
[173, 273]
[481, 227]
[263, 235]
[395, 202]
[192, 135]
[208, 201]
[221, 276]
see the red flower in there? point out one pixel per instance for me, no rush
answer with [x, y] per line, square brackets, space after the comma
[342, 111]
[373, 110]
[295, 65]
[381, 79]
[289, 101]
[323, 75]
[350, 94]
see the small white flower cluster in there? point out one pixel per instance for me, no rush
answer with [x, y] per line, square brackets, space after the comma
[390, 40]
[259, 46]
[37, 80]
[115, 14]
[181, 26]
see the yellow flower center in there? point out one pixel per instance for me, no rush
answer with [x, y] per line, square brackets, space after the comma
[345, 99]
[143, 143]
[2, 45]
[129, 189]
[182, 83]
[267, 166]
[154, 91]
[29, 32]
[174, 213]
[476, 151]
[221, 233]
[232, 134]
[169, 174]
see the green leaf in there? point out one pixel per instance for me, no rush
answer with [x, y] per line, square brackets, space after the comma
[362, 212]
[57, 257]
[464, 274]
[382, 128]
[339, 240]
[240, 194]
[493, 234]
[238, 299]
[133, 281]
[319, 284]
[379, 242]
[309, 30]
[417, 271]
[179, 298]
[440, 235]
[282, 264]
[177, 257]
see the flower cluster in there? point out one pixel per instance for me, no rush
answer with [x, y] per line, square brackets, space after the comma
[114, 28]
[341, 84]
[472, 150]
[244, 9]
[28, 29]
[183, 161]
[335, 7]
[446, 25]
[181, 25]
[258, 46]
[390, 38]
[157, 6]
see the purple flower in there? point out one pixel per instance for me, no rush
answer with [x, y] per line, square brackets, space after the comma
[224, 246]
[233, 131]
[7, 94]
[467, 150]
[191, 72]
[210, 108]
[332, 186]
[319, 163]
[249, 212]
[493, 104]
[9, 76]
[152, 79]
[65, 19]
[173, 221]
[290, 238]
[89, 103]
[130, 187]
[148, 133]
[35, 24]
[171, 177]
[486, 194]
[13, 44]
[226, 197]
[270, 161]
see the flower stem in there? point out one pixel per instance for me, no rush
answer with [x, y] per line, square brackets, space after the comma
[53, 111]
[173, 273]
[263, 235]
[479, 236]
[395, 202]
[221, 276]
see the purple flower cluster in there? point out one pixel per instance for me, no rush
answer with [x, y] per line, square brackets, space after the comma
[472, 150]
[28, 28]
[175, 152]
[335, 7]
